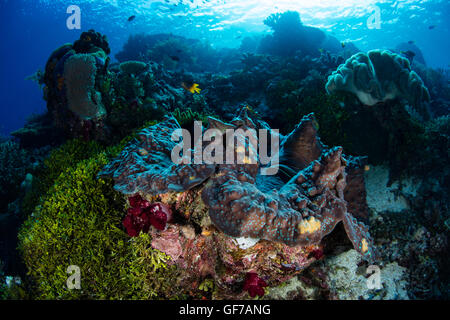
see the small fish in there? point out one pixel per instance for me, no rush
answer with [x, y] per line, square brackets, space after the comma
[175, 58]
[131, 18]
[320, 50]
[410, 42]
[193, 88]
[432, 27]
[343, 44]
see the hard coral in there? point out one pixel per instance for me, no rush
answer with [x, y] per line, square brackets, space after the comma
[290, 36]
[91, 41]
[82, 98]
[74, 75]
[242, 201]
[145, 165]
[378, 76]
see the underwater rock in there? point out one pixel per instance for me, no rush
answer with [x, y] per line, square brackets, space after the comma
[381, 197]
[349, 282]
[378, 76]
[217, 256]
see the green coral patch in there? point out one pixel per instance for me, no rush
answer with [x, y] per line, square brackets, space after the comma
[78, 222]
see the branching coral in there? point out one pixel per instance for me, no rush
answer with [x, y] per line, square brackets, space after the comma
[378, 76]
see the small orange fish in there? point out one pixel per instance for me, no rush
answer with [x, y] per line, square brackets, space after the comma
[207, 231]
[192, 88]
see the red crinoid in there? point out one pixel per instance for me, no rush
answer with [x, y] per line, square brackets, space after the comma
[160, 214]
[254, 284]
[143, 214]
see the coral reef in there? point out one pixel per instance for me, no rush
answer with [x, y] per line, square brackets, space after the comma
[14, 163]
[72, 87]
[236, 199]
[176, 52]
[38, 131]
[141, 226]
[378, 76]
[291, 36]
[348, 282]
[417, 56]
[142, 214]
[79, 77]
[91, 41]
[77, 223]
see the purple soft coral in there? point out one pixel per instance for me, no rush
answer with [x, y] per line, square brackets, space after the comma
[143, 214]
[254, 285]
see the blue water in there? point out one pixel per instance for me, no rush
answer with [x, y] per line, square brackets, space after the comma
[32, 29]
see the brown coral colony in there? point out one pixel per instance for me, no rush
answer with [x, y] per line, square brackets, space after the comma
[301, 211]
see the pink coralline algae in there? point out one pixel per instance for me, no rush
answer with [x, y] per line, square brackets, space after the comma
[143, 214]
[298, 206]
[254, 285]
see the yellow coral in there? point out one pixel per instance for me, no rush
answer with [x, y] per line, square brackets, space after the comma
[192, 88]
[309, 226]
[364, 245]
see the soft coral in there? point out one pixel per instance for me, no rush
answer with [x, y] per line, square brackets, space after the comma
[254, 284]
[143, 214]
